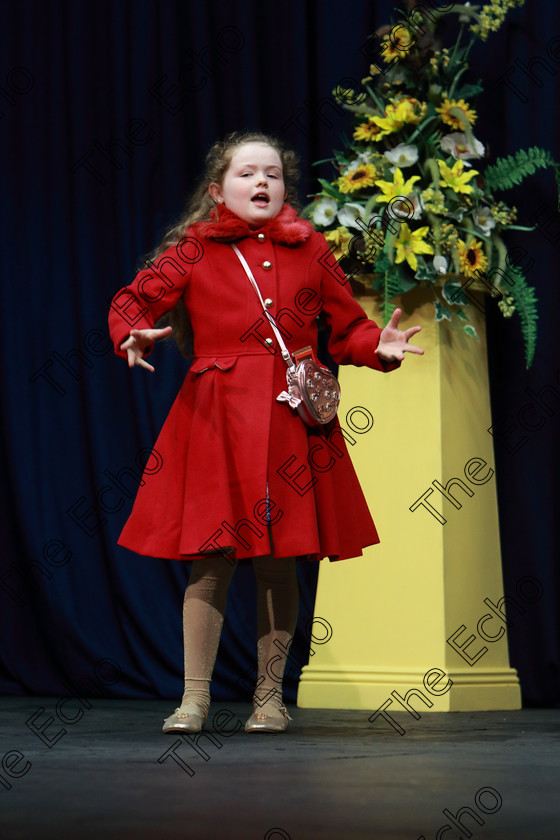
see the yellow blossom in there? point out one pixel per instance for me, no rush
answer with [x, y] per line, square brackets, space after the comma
[397, 187]
[362, 176]
[409, 243]
[491, 17]
[502, 214]
[455, 177]
[434, 201]
[367, 131]
[404, 110]
[339, 237]
[507, 306]
[410, 110]
[452, 119]
[387, 124]
[395, 46]
[448, 237]
[471, 257]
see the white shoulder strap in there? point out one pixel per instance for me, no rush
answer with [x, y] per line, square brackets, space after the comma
[285, 352]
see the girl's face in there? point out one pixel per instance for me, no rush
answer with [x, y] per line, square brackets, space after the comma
[253, 185]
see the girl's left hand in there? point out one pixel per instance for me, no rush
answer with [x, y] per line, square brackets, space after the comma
[393, 343]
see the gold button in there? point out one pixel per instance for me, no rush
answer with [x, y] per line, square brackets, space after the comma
[268, 303]
[268, 341]
[261, 237]
[267, 265]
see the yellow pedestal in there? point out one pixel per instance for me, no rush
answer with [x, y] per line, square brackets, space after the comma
[393, 610]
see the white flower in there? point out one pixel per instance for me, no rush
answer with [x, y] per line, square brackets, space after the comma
[348, 214]
[357, 161]
[402, 156]
[410, 208]
[362, 157]
[483, 220]
[440, 264]
[460, 148]
[465, 18]
[324, 212]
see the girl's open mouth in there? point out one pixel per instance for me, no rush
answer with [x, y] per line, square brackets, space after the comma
[261, 199]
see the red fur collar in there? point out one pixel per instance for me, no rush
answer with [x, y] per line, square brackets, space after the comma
[225, 226]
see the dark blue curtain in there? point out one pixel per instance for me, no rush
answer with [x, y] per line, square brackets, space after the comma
[107, 109]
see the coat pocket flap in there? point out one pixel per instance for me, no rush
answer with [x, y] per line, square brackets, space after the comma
[201, 365]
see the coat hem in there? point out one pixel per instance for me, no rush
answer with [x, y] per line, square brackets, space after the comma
[313, 556]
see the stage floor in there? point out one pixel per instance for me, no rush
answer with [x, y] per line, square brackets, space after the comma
[332, 776]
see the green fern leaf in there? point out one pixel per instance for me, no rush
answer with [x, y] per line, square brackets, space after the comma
[510, 171]
[526, 306]
[390, 289]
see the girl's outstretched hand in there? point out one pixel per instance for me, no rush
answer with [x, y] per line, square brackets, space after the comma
[137, 342]
[393, 343]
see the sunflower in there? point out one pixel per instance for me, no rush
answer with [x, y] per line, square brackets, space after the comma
[395, 46]
[367, 131]
[362, 176]
[409, 243]
[453, 119]
[471, 257]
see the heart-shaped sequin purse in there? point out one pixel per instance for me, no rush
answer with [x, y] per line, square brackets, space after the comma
[314, 387]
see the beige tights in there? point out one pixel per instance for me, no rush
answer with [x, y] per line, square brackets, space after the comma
[204, 608]
[277, 612]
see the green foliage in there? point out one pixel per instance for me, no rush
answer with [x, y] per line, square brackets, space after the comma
[391, 281]
[468, 91]
[526, 306]
[390, 289]
[452, 293]
[441, 311]
[509, 171]
[381, 265]
[424, 274]
[330, 189]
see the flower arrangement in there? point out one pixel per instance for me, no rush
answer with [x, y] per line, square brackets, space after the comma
[413, 203]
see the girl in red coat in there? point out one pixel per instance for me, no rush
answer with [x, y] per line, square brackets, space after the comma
[240, 477]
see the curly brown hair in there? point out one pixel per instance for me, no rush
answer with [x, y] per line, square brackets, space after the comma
[199, 205]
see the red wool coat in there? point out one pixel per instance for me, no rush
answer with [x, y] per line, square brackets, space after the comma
[227, 442]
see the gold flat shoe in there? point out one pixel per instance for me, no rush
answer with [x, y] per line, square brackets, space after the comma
[192, 720]
[261, 722]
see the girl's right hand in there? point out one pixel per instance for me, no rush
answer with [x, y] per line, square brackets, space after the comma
[137, 342]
